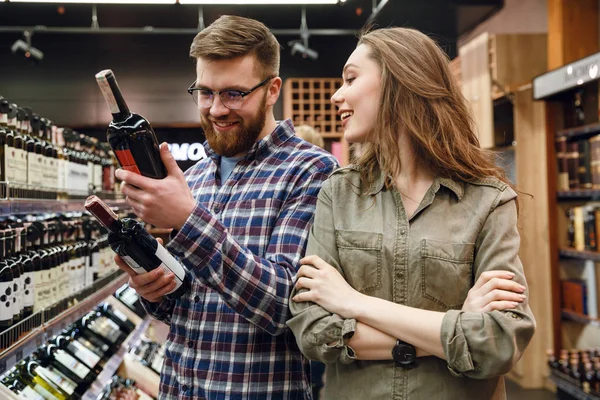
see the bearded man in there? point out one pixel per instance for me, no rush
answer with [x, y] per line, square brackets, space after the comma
[240, 221]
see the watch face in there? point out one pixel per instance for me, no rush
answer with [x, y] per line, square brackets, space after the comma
[404, 354]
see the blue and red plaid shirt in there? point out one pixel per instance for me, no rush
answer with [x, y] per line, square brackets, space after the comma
[242, 245]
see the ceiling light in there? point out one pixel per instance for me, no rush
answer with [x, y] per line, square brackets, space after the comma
[240, 2]
[97, 1]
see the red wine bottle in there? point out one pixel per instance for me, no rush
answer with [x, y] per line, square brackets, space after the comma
[140, 250]
[129, 134]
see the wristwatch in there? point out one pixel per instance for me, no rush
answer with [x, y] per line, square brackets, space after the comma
[404, 354]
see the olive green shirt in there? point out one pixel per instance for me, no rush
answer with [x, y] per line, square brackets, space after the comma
[428, 261]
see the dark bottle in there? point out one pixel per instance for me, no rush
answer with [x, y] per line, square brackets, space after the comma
[68, 365]
[79, 352]
[552, 361]
[117, 317]
[6, 307]
[140, 250]
[129, 134]
[90, 340]
[4, 108]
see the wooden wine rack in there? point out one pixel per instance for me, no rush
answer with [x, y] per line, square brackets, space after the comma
[307, 101]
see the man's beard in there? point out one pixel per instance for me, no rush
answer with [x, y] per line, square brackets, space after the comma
[238, 140]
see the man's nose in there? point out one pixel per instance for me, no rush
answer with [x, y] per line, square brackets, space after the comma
[218, 109]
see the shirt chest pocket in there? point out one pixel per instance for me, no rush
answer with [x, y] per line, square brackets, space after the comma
[446, 272]
[360, 258]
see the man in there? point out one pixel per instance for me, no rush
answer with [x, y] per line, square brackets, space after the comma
[241, 219]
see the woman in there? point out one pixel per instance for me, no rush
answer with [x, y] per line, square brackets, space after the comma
[400, 238]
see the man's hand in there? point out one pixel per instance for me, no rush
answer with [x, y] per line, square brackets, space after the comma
[494, 290]
[151, 285]
[164, 203]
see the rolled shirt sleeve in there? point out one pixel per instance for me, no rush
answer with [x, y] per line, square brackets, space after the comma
[320, 334]
[484, 345]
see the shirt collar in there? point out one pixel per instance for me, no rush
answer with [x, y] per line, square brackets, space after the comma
[264, 147]
[455, 186]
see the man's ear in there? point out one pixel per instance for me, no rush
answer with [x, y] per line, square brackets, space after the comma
[274, 91]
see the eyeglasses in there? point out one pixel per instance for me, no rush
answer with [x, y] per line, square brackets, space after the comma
[232, 99]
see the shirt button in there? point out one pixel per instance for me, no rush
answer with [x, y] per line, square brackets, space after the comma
[197, 299]
[402, 232]
[217, 210]
[184, 388]
[191, 344]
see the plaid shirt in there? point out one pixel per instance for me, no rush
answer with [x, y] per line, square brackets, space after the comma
[242, 245]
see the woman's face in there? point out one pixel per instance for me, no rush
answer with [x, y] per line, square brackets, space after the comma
[358, 98]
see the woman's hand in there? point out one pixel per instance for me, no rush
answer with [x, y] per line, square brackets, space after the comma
[327, 287]
[494, 290]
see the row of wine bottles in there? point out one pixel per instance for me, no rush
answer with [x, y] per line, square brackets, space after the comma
[66, 366]
[151, 354]
[46, 263]
[40, 160]
[123, 389]
[580, 367]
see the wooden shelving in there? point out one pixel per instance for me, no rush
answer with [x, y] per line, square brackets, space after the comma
[580, 318]
[580, 131]
[307, 101]
[569, 386]
[581, 255]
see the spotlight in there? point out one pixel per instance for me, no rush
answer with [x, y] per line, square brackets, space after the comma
[25, 48]
[303, 50]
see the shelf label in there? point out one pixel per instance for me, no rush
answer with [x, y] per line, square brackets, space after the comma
[570, 76]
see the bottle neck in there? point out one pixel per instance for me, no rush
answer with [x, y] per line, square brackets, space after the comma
[114, 98]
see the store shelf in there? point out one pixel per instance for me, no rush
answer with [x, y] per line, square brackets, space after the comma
[582, 194]
[38, 336]
[582, 255]
[580, 131]
[579, 318]
[111, 366]
[34, 206]
[568, 385]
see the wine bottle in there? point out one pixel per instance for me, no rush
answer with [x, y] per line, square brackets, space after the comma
[129, 134]
[68, 365]
[140, 250]
[31, 372]
[117, 317]
[79, 352]
[6, 307]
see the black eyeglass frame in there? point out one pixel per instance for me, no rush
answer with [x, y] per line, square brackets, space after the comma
[242, 94]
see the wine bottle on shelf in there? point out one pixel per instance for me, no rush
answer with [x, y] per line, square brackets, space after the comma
[128, 296]
[4, 109]
[129, 134]
[31, 372]
[117, 317]
[89, 340]
[6, 308]
[140, 250]
[69, 366]
[80, 352]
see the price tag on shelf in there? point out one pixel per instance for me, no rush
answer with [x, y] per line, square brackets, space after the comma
[2, 366]
[18, 355]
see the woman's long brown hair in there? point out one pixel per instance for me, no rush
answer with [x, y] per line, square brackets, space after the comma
[421, 98]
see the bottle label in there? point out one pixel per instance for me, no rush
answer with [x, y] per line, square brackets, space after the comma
[9, 163]
[30, 394]
[56, 377]
[71, 363]
[108, 95]
[29, 289]
[127, 161]
[169, 263]
[6, 309]
[120, 315]
[43, 391]
[84, 354]
[134, 266]
[3, 118]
